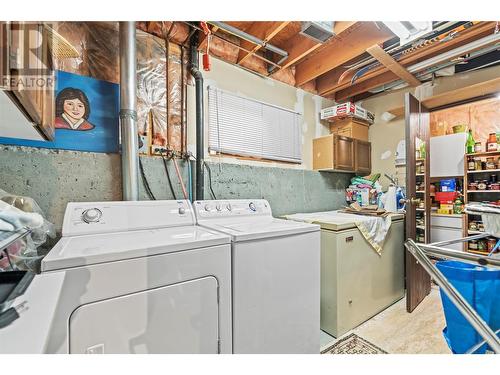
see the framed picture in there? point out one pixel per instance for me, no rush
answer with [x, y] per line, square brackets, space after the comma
[86, 116]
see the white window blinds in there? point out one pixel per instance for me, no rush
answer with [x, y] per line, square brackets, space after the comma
[247, 127]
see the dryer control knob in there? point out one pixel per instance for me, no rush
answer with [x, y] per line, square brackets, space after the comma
[91, 215]
[218, 207]
[207, 207]
[252, 206]
[228, 207]
[182, 210]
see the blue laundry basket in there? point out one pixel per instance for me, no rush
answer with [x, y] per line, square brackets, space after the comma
[480, 286]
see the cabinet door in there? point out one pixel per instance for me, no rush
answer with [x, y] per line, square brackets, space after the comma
[343, 150]
[37, 102]
[363, 157]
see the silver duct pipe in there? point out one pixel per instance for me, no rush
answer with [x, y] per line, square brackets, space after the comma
[241, 34]
[128, 113]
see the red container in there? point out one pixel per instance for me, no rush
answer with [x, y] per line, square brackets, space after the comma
[446, 196]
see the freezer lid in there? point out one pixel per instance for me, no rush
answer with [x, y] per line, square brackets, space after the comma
[84, 250]
[333, 220]
[258, 229]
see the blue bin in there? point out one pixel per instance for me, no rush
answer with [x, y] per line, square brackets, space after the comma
[480, 286]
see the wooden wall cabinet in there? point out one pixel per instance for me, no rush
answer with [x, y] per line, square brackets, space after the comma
[341, 154]
[37, 103]
[363, 157]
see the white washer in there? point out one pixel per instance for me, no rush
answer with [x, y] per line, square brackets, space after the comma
[275, 276]
[140, 277]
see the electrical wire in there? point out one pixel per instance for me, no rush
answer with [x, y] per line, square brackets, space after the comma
[205, 165]
[145, 182]
[209, 179]
[168, 175]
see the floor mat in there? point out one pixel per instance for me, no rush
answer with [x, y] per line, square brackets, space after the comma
[353, 344]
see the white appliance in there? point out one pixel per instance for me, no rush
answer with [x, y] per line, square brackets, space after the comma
[140, 277]
[275, 276]
[356, 282]
[446, 228]
[447, 155]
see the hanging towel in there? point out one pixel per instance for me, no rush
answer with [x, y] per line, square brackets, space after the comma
[374, 229]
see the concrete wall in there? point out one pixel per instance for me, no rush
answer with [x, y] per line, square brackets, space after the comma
[54, 178]
[386, 135]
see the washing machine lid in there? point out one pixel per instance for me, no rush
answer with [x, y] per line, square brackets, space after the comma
[247, 230]
[77, 251]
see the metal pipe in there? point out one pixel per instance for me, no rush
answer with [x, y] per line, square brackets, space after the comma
[460, 303]
[128, 112]
[241, 34]
[482, 260]
[200, 146]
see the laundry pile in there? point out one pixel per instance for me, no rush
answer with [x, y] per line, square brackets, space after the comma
[17, 214]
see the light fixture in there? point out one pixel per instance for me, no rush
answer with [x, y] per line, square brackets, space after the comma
[407, 31]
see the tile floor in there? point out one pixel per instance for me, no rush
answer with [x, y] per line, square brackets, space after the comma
[397, 332]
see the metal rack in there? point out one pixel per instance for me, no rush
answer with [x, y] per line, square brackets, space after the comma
[421, 252]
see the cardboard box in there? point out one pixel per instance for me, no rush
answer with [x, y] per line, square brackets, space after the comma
[351, 127]
[347, 109]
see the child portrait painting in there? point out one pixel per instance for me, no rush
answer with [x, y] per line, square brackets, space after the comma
[72, 110]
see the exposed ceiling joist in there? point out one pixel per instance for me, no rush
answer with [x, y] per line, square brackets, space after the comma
[341, 49]
[386, 60]
[299, 46]
[478, 90]
[379, 76]
[262, 30]
[202, 44]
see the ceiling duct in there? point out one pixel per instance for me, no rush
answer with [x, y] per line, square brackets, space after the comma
[408, 31]
[320, 31]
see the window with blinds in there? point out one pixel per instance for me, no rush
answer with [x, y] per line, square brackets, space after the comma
[247, 127]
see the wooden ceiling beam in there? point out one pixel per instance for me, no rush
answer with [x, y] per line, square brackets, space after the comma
[326, 85]
[463, 94]
[299, 46]
[386, 60]
[342, 48]
[262, 30]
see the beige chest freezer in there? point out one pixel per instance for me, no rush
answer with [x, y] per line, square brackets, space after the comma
[356, 282]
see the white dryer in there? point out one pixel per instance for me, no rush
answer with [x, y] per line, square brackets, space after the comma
[140, 277]
[275, 276]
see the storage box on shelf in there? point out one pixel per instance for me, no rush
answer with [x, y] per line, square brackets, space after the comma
[350, 127]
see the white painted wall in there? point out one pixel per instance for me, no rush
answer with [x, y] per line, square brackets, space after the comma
[247, 84]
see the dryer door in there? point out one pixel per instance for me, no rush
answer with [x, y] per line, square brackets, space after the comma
[178, 318]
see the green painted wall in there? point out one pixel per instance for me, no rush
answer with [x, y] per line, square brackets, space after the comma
[54, 178]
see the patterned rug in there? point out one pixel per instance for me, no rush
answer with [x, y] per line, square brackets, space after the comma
[353, 344]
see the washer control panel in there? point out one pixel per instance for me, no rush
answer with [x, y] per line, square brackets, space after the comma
[106, 217]
[231, 208]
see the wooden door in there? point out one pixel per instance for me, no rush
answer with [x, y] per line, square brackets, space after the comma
[363, 157]
[343, 151]
[418, 282]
